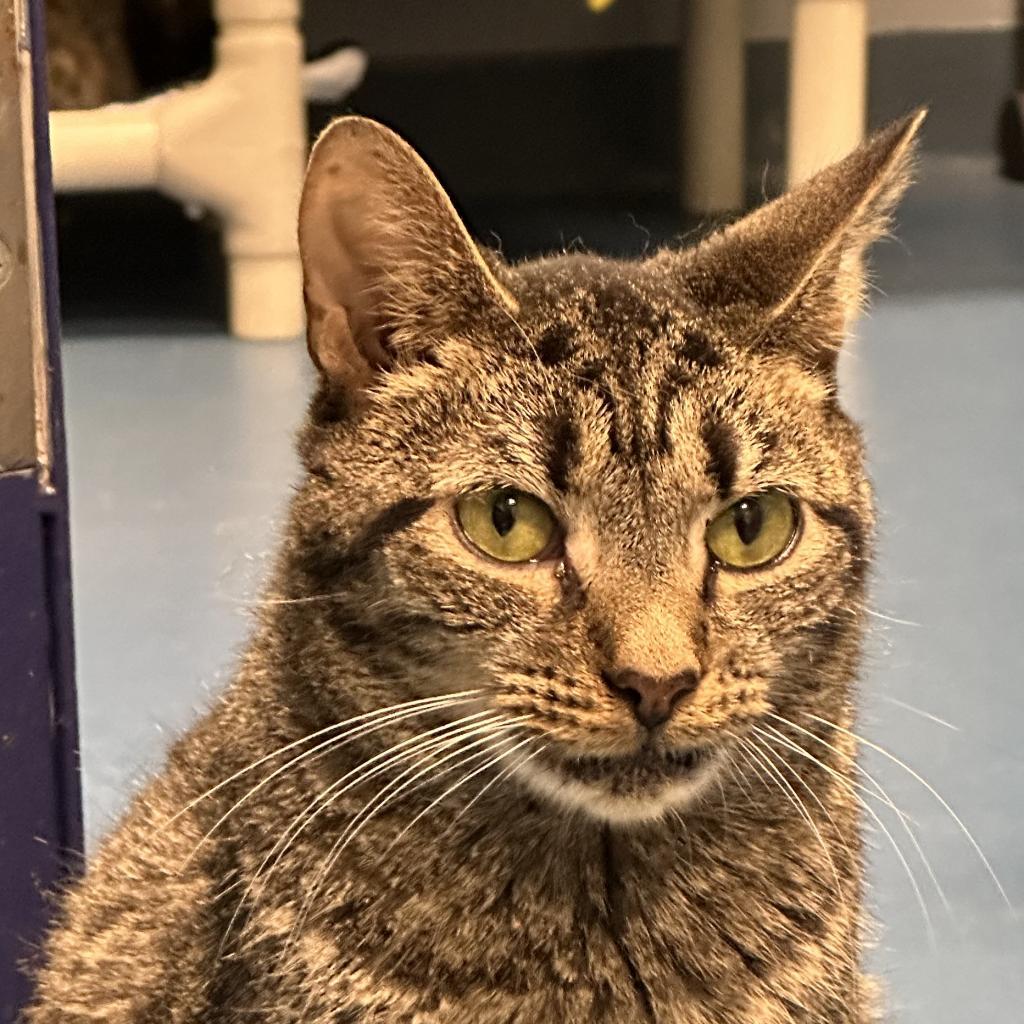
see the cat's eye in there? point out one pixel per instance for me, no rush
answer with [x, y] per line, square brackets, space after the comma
[508, 525]
[753, 531]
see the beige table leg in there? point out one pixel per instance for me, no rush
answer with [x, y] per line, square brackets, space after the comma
[712, 79]
[828, 82]
[234, 144]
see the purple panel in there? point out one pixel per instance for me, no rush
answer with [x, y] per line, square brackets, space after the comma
[40, 799]
[54, 506]
[34, 838]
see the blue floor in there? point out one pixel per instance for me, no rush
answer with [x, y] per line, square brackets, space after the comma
[181, 464]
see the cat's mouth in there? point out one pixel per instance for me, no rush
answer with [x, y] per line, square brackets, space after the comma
[643, 768]
[624, 788]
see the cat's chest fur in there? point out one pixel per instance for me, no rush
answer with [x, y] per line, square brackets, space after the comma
[516, 914]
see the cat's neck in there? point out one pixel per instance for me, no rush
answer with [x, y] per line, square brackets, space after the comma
[736, 910]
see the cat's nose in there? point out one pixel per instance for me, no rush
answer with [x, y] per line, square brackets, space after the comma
[652, 698]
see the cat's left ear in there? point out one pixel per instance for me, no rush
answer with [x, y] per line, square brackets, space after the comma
[390, 271]
[793, 269]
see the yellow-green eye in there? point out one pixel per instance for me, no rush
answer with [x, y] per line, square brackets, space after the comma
[753, 531]
[508, 525]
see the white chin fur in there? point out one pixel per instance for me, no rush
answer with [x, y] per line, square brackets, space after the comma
[617, 810]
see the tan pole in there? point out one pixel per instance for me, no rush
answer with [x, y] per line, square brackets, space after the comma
[712, 81]
[827, 82]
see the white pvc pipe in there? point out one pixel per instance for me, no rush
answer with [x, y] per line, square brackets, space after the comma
[235, 144]
[256, 10]
[115, 147]
[712, 78]
[828, 82]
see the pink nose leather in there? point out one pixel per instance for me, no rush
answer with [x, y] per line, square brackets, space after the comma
[653, 699]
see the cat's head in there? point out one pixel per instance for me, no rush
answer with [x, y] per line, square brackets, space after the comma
[618, 497]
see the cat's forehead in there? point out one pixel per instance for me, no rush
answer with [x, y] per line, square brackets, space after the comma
[629, 392]
[601, 304]
[633, 323]
[632, 333]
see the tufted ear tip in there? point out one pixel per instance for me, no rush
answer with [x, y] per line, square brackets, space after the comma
[909, 125]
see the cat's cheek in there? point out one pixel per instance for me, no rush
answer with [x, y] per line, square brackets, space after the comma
[730, 696]
[821, 550]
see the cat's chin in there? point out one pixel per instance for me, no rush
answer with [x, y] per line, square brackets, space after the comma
[623, 790]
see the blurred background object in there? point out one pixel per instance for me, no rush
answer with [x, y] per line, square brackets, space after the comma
[89, 61]
[572, 113]
[108, 51]
[170, 41]
[1011, 126]
[199, 142]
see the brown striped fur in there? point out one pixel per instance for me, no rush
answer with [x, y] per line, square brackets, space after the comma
[612, 878]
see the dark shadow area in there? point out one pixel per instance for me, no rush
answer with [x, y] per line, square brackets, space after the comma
[1011, 121]
[114, 276]
[134, 259]
[169, 41]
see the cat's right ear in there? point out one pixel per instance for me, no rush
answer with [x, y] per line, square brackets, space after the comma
[792, 271]
[390, 271]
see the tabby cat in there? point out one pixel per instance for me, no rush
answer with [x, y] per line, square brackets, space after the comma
[571, 584]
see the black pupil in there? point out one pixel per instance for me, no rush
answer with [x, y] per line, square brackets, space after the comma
[503, 512]
[748, 519]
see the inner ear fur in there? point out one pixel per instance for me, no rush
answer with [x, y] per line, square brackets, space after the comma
[796, 264]
[389, 268]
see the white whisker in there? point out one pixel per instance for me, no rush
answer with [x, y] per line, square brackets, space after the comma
[503, 774]
[921, 712]
[810, 792]
[851, 783]
[456, 785]
[332, 744]
[396, 786]
[877, 791]
[407, 749]
[390, 792]
[892, 618]
[737, 775]
[919, 896]
[935, 793]
[312, 736]
[761, 754]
